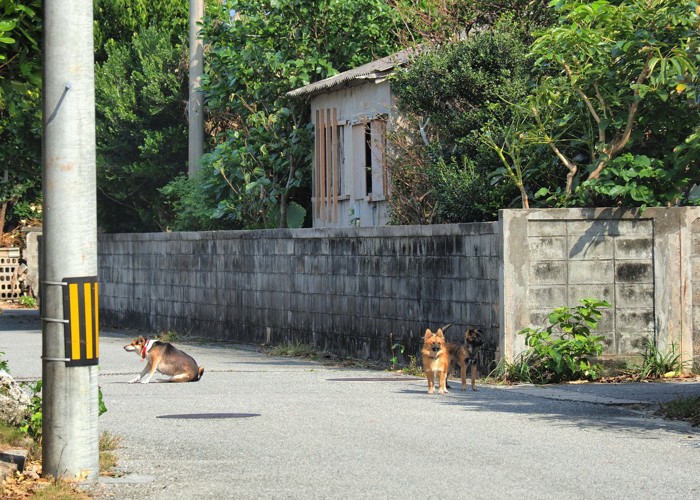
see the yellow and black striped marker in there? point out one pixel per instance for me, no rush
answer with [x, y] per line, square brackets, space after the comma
[81, 309]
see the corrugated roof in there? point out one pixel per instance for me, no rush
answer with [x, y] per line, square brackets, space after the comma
[374, 70]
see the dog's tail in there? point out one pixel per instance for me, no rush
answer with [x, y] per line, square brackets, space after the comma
[199, 374]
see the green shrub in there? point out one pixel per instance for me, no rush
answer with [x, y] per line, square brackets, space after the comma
[27, 301]
[561, 352]
[3, 363]
[656, 364]
[32, 424]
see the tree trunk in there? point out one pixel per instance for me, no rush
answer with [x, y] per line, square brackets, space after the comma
[283, 209]
[3, 212]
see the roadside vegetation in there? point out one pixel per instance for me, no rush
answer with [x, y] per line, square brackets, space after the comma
[568, 350]
[27, 434]
[295, 350]
[172, 336]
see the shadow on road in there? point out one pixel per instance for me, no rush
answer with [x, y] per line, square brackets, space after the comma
[632, 418]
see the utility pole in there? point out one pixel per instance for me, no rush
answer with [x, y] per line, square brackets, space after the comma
[69, 312]
[195, 112]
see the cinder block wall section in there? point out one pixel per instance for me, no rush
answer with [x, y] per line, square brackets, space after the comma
[639, 262]
[695, 280]
[347, 290]
[342, 290]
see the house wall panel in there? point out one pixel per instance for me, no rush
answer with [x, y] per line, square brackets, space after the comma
[354, 106]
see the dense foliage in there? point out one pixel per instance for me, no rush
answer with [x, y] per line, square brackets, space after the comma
[140, 87]
[511, 103]
[618, 102]
[567, 349]
[604, 113]
[451, 92]
[258, 172]
[20, 112]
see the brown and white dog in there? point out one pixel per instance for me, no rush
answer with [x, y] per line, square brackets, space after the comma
[436, 360]
[465, 354]
[165, 358]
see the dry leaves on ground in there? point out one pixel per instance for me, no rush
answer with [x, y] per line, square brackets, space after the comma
[30, 484]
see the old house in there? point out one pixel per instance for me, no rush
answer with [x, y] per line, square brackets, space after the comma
[351, 113]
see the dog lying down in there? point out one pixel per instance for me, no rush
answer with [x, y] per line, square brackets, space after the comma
[164, 358]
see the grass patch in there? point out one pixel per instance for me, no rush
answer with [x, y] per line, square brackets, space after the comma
[57, 490]
[296, 349]
[687, 408]
[12, 437]
[506, 372]
[171, 336]
[657, 364]
[413, 368]
[108, 459]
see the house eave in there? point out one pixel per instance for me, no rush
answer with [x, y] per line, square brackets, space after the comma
[377, 70]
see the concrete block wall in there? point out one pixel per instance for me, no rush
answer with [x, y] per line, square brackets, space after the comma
[638, 262]
[342, 290]
[346, 290]
[695, 284]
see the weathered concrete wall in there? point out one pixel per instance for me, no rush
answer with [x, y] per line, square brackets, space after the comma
[695, 286]
[639, 263]
[346, 290]
[343, 290]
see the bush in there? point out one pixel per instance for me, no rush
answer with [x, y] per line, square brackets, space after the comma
[561, 352]
[656, 364]
[451, 93]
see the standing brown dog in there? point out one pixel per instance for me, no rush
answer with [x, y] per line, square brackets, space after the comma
[436, 360]
[464, 355]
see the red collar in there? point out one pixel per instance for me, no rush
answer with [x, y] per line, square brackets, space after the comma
[146, 347]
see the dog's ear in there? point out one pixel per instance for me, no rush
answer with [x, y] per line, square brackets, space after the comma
[440, 333]
[428, 333]
[141, 339]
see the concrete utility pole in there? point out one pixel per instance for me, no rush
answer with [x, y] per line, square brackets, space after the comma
[69, 312]
[195, 111]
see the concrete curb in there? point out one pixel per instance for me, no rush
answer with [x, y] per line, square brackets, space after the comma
[11, 461]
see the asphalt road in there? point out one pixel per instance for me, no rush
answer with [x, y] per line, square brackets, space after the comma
[263, 427]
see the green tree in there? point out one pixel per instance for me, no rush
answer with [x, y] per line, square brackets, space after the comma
[140, 87]
[258, 50]
[119, 20]
[20, 110]
[453, 91]
[618, 102]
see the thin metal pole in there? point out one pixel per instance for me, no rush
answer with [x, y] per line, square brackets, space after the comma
[70, 444]
[195, 110]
